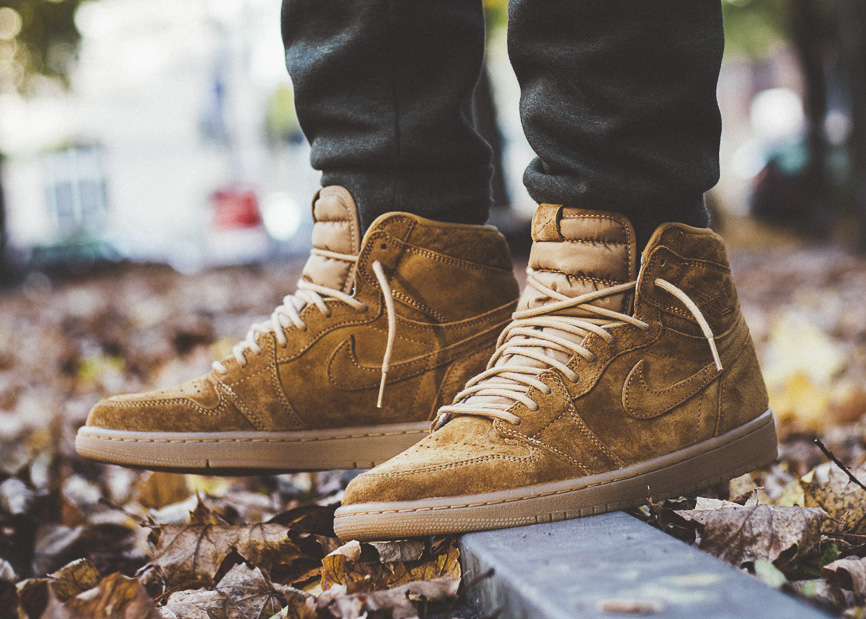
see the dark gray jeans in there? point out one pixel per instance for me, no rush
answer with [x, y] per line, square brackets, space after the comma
[618, 100]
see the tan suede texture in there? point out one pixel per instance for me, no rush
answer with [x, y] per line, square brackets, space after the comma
[454, 291]
[649, 393]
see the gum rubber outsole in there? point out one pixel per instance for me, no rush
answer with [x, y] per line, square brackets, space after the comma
[717, 460]
[249, 453]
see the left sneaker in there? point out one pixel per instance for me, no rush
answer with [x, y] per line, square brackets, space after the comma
[607, 389]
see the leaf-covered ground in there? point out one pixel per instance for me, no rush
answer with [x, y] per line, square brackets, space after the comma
[81, 540]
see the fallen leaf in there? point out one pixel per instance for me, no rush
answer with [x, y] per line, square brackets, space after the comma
[160, 489]
[187, 554]
[116, 597]
[401, 550]
[741, 535]
[243, 593]
[833, 491]
[196, 604]
[398, 603]
[252, 593]
[849, 573]
[361, 567]
[74, 578]
[445, 565]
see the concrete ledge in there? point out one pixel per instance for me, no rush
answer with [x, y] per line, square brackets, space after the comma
[608, 566]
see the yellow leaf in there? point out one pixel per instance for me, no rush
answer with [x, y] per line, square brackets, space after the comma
[161, 489]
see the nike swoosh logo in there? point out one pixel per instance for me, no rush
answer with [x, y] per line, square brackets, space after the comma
[642, 401]
[347, 373]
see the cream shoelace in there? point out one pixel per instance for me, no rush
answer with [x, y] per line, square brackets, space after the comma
[308, 293]
[539, 334]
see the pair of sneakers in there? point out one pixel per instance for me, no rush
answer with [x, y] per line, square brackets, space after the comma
[605, 382]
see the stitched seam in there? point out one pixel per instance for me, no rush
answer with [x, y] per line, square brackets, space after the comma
[258, 440]
[402, 337]
[251, 416]
[663, 408]
[422, 307]
[722, 387]
[216, 411]
[538, 443]
[450, 465]
[277, 386]
[700, 411]
[593, 439]
[581, 275]
[429, 361]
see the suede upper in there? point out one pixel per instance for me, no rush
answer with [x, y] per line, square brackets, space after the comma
[453, 291]
[654, 389]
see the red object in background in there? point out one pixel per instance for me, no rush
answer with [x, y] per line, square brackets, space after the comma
[235, 207]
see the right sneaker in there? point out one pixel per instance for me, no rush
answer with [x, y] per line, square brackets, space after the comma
[347, 372]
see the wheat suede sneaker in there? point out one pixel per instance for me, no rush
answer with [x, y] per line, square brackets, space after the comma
[347, 372]
[607, 388]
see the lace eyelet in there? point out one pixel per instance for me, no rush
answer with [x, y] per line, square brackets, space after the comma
[383, 246]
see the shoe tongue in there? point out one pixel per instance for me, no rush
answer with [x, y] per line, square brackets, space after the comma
[577, 251]
[335, 229]
[574, 252]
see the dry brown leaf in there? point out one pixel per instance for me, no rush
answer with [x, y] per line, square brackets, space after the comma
[251, 592]
[401, 550]
[160, 489]
[832, 490]
[849, 573]
[398, 603]
[188, 554]
[243, 593]
[74, 578]
[343, 566]
[204, 514]
[740, 535]
[361, 568]
[195, 604]
[446, 565]
[116, 597]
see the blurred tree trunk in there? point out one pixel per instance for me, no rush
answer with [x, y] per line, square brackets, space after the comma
[810, 34]
[851, 16]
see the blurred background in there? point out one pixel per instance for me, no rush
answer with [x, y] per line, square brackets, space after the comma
[164, 132]
[155, 192]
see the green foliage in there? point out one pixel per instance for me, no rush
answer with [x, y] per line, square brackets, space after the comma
[753, 28]
[39, 39]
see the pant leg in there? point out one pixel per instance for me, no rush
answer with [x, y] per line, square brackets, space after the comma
[383, 93]
[618, 100]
